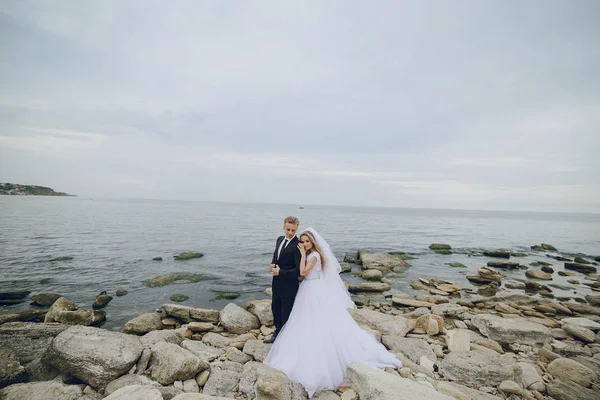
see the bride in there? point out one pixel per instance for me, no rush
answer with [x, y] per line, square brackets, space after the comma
[321, 338]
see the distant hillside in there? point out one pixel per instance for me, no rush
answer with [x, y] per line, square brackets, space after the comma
[28, 190]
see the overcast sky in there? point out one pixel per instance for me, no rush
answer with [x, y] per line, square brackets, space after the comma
[464, 104]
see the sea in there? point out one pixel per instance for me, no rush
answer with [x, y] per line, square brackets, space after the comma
[113, 242]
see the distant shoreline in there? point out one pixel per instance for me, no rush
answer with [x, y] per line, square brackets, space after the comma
[15, 189]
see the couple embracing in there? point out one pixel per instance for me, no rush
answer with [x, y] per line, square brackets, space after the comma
[315, 336]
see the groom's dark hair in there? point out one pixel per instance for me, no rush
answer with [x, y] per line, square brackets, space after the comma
[292, 220]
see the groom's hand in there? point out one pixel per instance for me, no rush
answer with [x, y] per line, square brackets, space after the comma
[275, 270]
[271, 267]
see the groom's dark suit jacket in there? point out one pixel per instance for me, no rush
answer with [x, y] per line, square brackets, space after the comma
[289, 264]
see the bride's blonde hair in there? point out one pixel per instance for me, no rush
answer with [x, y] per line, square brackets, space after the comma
[315, 247]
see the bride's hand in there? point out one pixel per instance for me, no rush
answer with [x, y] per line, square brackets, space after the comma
[302, 250]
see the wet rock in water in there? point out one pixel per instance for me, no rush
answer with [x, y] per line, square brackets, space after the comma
[9, 297]
[497, 253]
[63, 258]
[518, 286]
[60, 305]
[157, 259]
[188, 256]
[371, 275]
[411, 303]
[538, 274]
[81, 317]
[383, 262]
[518, 254]
[456, 265]
[101, 300]
[45, 299]
[583, 268]
[580, 260]
[164, 280]
[178, 297]
[352, 258]
[45, 281]
[543, 247]
[443, 251]
[540, 264]
[346, 267]
[488, 290]
[548, 270]
[597, 259]
[225, 295]
[440, 246]
[368, 287]
[28, 340]
[593, 300]
[22, 315]
[121, 292]
[573, 281]
[503, 264]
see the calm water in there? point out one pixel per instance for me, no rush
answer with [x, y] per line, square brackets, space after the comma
[112, 243]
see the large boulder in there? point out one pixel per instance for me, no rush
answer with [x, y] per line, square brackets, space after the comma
[188, 314]
[54, 390]
[29, 340]
[203, 351]
[170, 363]
[511, 330]
[570, 391]
[383, 262]
[144, 323]
[95, 356]
[384, 323]
[479, 368]
[262, 310]
[81, 317]
[369, 287]
[260, 381]
[170, 336]
[373, 384]
[45, 299]
[237, 320]
[565, 369]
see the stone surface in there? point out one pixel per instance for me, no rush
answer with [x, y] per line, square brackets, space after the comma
[61, 304]
[128, 380]
[144, 323]
[570, 391]
[411, 303]
[566, 369]
[511, 330]
[236, 355]
[538, 274]
[411, 348]
[259, 381]
[136, 392]
[216, 340]
[580, 333]
[371, 275]
[384, 323]
[376, 287]
[257, 349]
[171, 363]
[531, 379]
[96, 356]
[201, 350]
[262, 310]
[479, 367]
[510, 387]
[458, 340]
[374, 384]
[11, 371]
[169, 336]
[53, 390]
[583, 322]
[221, 382]
[237, 320]
[383, 262]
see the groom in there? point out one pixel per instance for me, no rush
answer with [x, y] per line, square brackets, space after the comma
[285, 268]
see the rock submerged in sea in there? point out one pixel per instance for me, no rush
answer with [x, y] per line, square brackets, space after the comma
[456, 265]
[583, 268]
[45, 299]
[101, 300]
[543, 247]
[178, 297]
[157, 259]
[440, 246]
[383, 262]
[497, 253]
[188, 256]
[164, 280]
[63, 258]
[9, 297]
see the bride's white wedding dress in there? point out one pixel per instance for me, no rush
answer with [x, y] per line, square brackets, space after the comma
[321, 338]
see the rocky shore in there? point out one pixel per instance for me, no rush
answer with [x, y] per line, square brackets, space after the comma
[489, 342]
